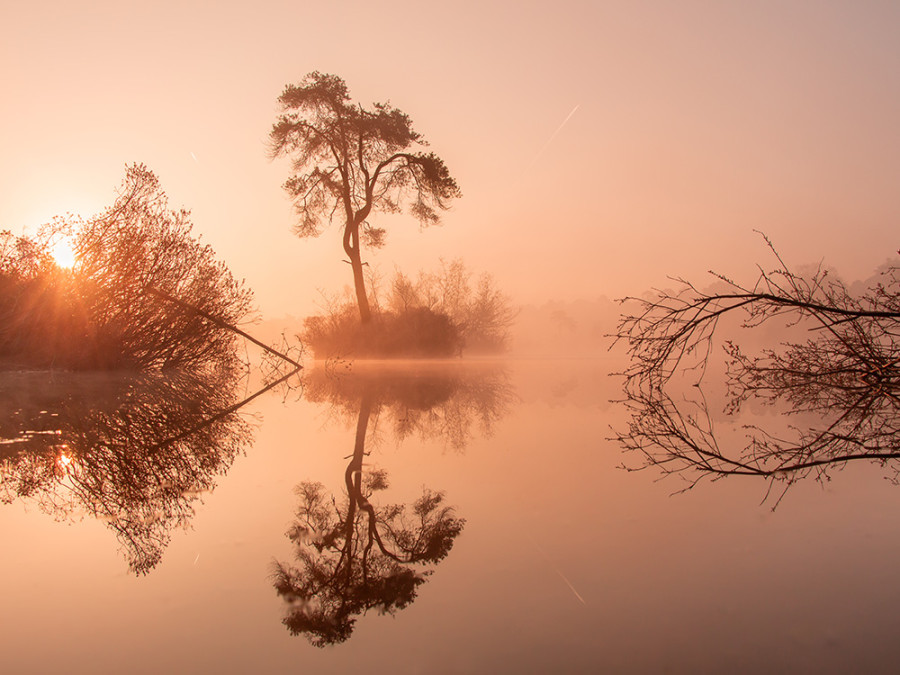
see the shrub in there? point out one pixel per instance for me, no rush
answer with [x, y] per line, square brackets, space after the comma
[111, 309]
[417, 333]
[436, 315]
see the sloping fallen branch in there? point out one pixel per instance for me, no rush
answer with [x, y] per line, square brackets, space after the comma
[222, 324]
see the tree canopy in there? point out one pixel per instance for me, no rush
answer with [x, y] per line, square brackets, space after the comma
[350, 161]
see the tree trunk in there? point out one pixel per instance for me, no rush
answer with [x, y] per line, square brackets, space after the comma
[351, 248]
[353, 480]
[365, 314]
[353, 473]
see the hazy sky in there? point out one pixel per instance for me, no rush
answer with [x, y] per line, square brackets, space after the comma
[600, 146]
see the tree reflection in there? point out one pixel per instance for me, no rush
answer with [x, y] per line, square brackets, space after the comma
[838, 390]
[135, 451]
[833, 424]
[354, 555]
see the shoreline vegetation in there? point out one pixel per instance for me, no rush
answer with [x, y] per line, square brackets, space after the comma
[133, 289]
[141, 293]
[113, 309]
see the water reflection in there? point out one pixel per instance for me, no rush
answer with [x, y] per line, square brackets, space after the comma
[133, 450]
[825, 417]
[353, 555]
[832, 378]
[427, 400]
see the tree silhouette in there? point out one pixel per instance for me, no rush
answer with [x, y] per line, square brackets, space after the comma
[349, 162]
[143, 294]
[136, 256]
[843, 381]
[354, 556]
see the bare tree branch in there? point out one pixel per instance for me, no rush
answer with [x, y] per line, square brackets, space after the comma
[844, 377]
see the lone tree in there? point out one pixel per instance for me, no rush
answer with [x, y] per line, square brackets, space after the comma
[349, 161]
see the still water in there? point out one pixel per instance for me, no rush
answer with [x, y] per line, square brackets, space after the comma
[145, 532]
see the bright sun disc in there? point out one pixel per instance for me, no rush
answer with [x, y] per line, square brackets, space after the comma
[63, 254]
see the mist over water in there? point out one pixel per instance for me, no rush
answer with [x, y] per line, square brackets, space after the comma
[563, 560]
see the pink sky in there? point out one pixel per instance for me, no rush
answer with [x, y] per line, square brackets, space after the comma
[693, 124]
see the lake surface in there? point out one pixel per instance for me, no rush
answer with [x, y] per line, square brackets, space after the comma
[564, 563]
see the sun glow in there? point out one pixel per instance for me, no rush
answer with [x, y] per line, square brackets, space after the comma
[63, 254]
[64, 460]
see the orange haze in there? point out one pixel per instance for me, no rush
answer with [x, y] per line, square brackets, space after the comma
[600, 146]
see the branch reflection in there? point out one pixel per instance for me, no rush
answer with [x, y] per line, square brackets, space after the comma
[134, 450]
[353, 555]
[836, 390]
[827, 417]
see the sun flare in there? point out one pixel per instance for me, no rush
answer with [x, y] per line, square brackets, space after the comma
[63, 254]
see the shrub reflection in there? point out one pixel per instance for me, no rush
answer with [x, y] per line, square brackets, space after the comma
[451, 401]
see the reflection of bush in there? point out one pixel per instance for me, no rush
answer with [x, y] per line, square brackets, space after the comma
[135, 451]
[106, 312]
[441, 400]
